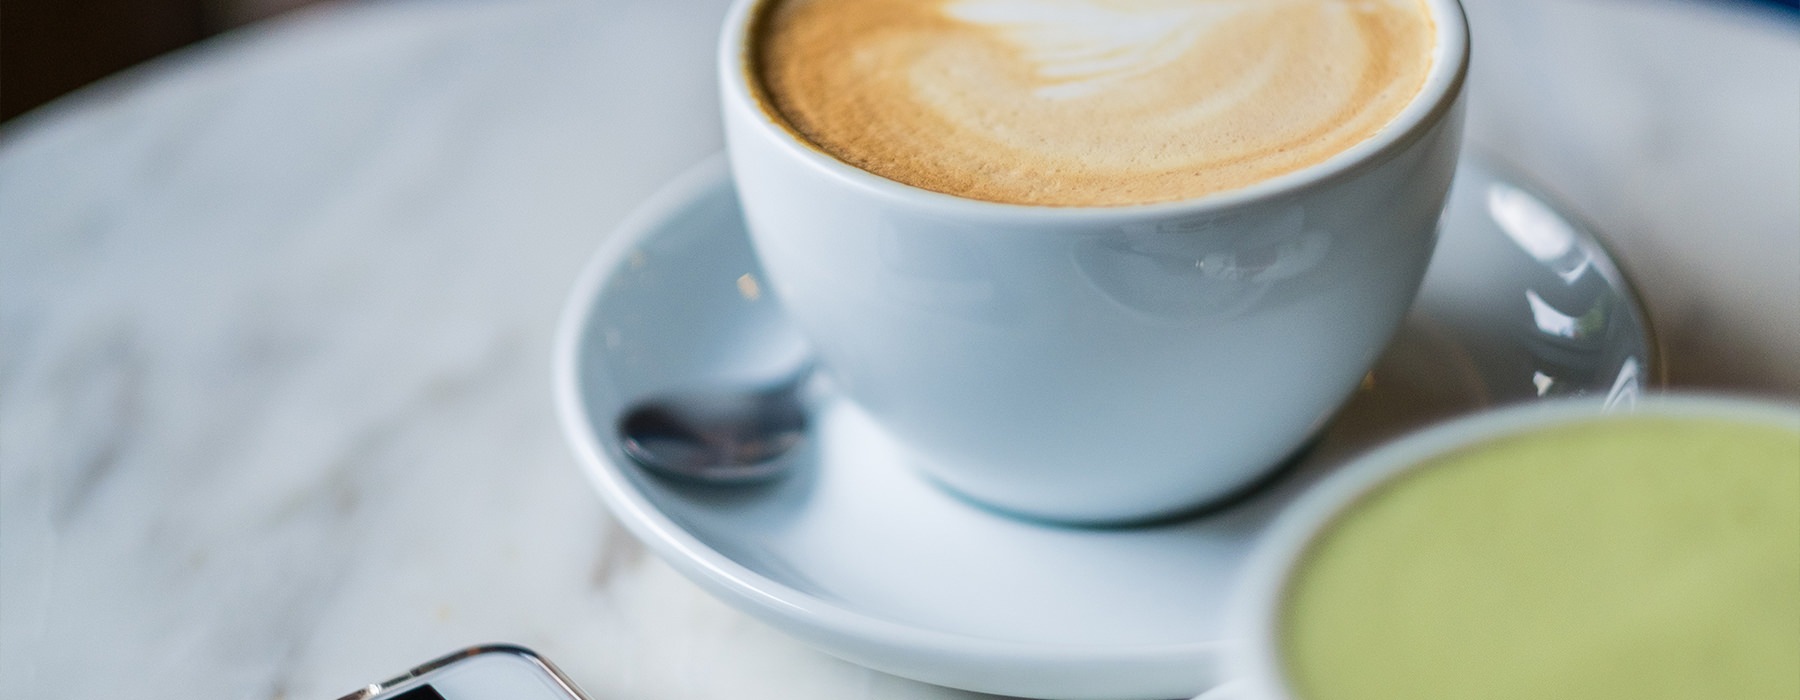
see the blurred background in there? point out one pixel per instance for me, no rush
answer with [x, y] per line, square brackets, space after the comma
[51, 47]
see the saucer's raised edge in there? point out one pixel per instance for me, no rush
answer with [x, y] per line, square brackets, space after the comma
[1253, 664]
[1612, 267]
[959, 661]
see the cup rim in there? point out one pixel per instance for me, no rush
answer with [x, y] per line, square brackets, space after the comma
[1436, 98]
[1256, 659]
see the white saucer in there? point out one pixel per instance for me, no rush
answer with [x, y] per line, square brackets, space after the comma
[859, 556]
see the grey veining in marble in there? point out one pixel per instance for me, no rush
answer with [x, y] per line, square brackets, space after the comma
[275, 318]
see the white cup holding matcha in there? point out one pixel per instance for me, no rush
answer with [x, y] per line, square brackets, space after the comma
[1543, 552]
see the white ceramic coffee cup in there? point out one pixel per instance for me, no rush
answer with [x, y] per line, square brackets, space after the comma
[1255, 665]
[1100, 364]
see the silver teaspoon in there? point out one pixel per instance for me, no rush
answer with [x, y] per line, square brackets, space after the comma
[725, 435]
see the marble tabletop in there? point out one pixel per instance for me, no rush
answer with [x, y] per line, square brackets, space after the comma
[275, 321]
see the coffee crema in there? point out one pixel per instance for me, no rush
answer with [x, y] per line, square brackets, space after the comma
[1087, 102]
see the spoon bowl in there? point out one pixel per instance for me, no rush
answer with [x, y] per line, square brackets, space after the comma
[724, 435]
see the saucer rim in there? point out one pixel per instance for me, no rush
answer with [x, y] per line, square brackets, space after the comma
[1612, 267]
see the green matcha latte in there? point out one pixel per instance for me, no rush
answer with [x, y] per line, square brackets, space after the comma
[1633, 558]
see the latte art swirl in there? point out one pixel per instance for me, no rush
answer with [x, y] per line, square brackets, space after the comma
[1088, 102]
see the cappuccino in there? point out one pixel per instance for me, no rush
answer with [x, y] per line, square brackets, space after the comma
[1087, 102]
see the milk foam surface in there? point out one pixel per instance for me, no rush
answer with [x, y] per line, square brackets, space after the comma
[1088, 102]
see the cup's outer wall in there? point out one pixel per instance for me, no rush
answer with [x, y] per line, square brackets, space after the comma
[1088, 365]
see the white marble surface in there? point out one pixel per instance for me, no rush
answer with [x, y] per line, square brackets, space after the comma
[275, 318]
